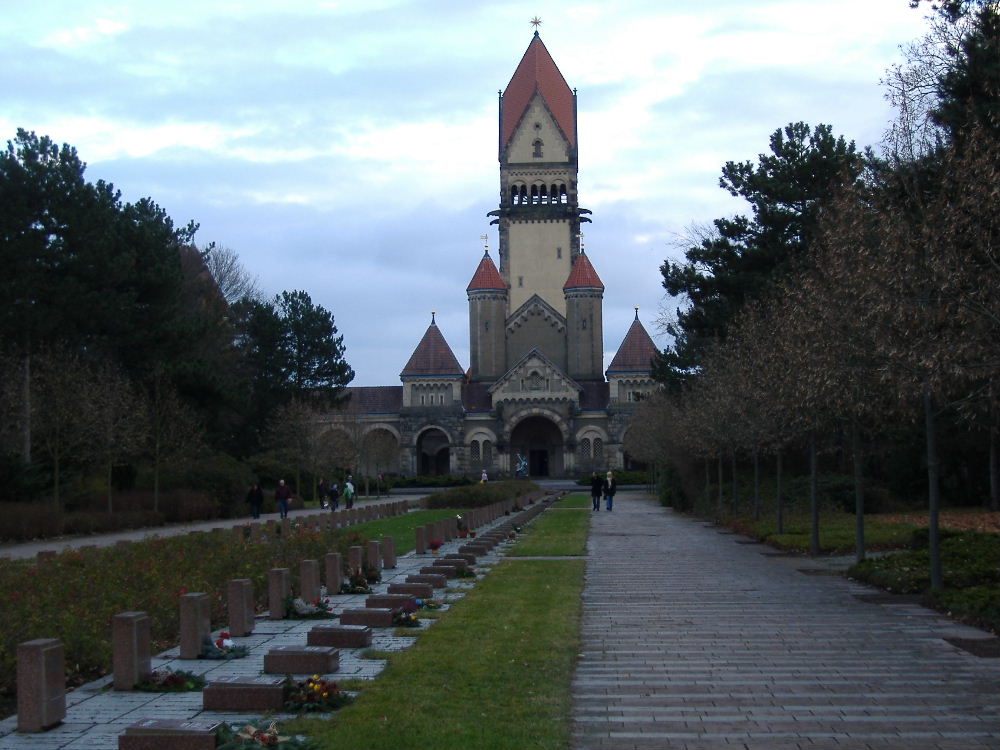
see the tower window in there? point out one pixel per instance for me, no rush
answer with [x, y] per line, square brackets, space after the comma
[584, 324]
[486, 325]
[520, 281]
[537, 153]
[558, 253]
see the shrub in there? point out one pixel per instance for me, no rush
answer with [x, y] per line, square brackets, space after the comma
[977, 605]
[30, 520]
[442, 480]
[479, 495]
[621, 477]
[224, 479]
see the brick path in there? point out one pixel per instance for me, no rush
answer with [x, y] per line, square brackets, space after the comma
[693, 640]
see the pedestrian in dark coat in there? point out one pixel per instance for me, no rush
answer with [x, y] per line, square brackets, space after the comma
[283, 495]
[255, 498]
[610, 487]
[596, 488]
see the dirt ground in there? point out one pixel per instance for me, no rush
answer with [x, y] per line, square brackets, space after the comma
[962, 520]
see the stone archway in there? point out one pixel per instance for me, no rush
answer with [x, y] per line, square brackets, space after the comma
[539, 440]
[433, 452]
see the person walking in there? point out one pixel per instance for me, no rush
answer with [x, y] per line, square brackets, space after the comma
[610, 487]
[334, 497]
[596, 488]
[321, 492]
[349, 493]
[255, 498]
[283, 495]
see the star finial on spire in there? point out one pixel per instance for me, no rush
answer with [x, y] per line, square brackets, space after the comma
[636, 312]
[580, 237]
[486, 244]
[536, 22]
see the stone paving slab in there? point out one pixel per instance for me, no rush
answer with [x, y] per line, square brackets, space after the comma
[693, 639]
[95, 717]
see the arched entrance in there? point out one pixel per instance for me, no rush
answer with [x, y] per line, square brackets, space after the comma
[433, 453]
[539, 440]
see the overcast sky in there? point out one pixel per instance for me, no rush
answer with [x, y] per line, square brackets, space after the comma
[349, 149]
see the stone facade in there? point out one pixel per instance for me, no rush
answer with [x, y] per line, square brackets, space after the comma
[534, 389]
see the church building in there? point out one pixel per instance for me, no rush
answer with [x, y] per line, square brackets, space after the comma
[534, 391]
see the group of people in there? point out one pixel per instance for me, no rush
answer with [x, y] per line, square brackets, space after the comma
[605, 487]
[329, 498]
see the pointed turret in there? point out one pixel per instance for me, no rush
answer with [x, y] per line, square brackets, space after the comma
[630, 372]
[486, 276]
[487, 312]
[583, 275]
[432, 356]
[584, 293]
[538, 72]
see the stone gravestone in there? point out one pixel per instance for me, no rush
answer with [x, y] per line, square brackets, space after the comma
[41, 684]
[354, 556]
[130, 655]
[334, 572]
[241, 607]
[421, 547]
[195, 623]
[309, 580]
[279, 588]
[389, 552]
[154, 734]
[374, 555]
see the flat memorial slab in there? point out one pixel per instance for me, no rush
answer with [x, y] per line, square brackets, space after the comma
[252, 694]
[340, 636]
[301, 660]
[437, 580]
[153, 734]
[375, 617]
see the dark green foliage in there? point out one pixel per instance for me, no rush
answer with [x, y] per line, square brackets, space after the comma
[786, 190]
[968, 559]
[480, 495]
[439, 480]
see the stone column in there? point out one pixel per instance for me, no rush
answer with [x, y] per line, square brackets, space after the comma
[334, 572]
[41, 684]
[309, 580]
[278, 589]
[389, 552]
[421, 547]
[354, 557]
[374, 555]
[130, 655]
[241, 607]
[195, 623]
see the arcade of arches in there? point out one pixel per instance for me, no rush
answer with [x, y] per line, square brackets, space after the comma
[433, 452]
[540, 442]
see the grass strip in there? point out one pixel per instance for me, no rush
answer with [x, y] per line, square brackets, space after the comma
[555, 533]
[574, 501]
[494, 674]
[403, 528]
[836, 532]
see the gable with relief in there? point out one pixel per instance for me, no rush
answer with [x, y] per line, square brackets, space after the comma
[534, 379]
[536, 325]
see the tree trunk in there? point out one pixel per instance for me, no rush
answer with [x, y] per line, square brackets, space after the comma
[813, 496]
[859, 493]
[736, 487]
[756, 484]
[933, 489]
[718, 510]
[111, 468]
[26, 410]
[994, 469]
[708, 479]
[777, 493]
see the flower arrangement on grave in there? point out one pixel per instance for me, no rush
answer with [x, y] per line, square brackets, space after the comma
[313, 694]
[463, 529]
[258, 734]
[405, 620]
[298, 609]
[168, 681]
[372, 575]
[356, 584]
[465, 573]
[428, 604]
[435, 545]
[222, 648]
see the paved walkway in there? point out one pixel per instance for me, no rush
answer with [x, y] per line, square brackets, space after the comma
[693, 638]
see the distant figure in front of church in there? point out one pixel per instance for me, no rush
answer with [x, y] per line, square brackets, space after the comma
[484, 479]
[610, 487]
[522, 466]
[596, 488]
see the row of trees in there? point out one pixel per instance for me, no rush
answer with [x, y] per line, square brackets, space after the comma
[122, 342]
[862, 295]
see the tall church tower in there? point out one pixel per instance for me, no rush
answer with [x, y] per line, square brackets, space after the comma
[539, 217]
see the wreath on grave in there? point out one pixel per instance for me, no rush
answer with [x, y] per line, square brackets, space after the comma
[356, 584]
[314, 694]
[299, 609]
[258, 734]
[223, 648]
[405, 620]
[167, 680]
[465, 573]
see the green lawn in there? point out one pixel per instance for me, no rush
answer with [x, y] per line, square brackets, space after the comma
[561, 530]
[402, 528]
[494, 672]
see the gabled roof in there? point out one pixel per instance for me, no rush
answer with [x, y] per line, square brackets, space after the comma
[583, 275]
[376, 399]
[636, 352]
[539, 355]
[432, 357]
[486, 277]
[537, 71]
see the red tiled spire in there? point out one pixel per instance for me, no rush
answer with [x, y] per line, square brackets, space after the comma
[636, 352]
[583, 275]
[432, 356]
[486, 277]
[537, 72]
